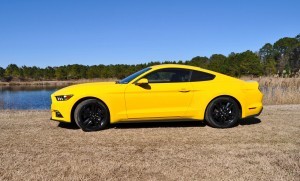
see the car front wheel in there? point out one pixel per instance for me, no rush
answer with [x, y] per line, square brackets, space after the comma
[222, 112]
[91, 115]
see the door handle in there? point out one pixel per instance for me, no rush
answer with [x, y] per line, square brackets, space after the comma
[184, 90]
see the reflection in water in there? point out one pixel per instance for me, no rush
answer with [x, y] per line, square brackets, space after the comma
[26, 97]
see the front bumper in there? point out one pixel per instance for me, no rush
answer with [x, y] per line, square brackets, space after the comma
[61, 111]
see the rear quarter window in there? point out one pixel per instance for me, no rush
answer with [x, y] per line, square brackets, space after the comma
[201, 76]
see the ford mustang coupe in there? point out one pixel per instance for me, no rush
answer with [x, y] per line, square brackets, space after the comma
[159, 93]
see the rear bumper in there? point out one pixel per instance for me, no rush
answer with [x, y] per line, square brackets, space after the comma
[255, 115]
[259, 112]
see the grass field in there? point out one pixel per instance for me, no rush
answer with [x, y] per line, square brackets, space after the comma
[267, 148]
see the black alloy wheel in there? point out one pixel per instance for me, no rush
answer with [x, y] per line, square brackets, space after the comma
[222, 112]
[91, 115]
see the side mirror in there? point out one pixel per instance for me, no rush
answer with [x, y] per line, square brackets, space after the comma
[142, 81]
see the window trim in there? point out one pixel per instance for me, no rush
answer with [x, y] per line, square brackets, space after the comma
[213, 76]
[189, 77]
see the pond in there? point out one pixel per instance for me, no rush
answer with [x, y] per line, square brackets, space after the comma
[26, 97]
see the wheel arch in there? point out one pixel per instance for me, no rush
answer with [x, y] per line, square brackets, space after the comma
[235, 99]
[83, 99]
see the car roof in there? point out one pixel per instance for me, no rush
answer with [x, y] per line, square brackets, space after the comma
[173, 66]
[181, 66]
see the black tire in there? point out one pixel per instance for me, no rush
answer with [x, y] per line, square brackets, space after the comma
[91, 115]
[222, 112]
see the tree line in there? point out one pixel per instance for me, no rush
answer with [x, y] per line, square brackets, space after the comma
[281, 58]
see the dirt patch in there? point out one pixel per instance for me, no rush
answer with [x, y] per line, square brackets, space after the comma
[267, 148]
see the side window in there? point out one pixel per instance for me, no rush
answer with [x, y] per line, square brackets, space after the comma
[169, 76]
[201, 76]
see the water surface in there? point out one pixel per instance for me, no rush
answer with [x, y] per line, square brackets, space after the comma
[26, 97]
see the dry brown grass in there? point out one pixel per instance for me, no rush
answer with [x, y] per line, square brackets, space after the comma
[279, 90]
[268, 148]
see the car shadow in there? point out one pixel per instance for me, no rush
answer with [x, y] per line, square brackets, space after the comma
[177, 124]
[169, 124]
[68, 125]
[249, 121]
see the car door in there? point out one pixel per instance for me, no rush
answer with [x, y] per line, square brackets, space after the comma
[168, 94]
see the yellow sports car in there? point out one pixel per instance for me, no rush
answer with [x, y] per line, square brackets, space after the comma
[157, 93]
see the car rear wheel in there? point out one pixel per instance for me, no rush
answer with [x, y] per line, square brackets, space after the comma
[91, 115]
[222, 112]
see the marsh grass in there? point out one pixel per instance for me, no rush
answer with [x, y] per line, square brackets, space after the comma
[279, 90]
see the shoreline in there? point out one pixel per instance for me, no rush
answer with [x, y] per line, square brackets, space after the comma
[53, 82]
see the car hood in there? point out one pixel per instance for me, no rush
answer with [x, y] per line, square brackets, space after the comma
[87, 88]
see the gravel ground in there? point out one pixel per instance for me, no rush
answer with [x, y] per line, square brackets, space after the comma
[263, 148]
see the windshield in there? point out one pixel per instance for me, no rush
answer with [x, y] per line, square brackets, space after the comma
[133, 76]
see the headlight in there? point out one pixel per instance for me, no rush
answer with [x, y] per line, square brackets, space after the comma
[63, 97]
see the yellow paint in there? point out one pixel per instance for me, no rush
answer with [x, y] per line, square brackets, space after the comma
[188, 100]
